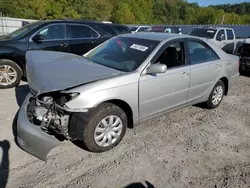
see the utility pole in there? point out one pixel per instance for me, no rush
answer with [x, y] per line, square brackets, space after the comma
[222, 20]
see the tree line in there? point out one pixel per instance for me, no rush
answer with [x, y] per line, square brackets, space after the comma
[128, 11]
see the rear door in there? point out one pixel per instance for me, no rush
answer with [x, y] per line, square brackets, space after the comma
[230, 42]
[82, 38]
[54, 38]
[206, 68]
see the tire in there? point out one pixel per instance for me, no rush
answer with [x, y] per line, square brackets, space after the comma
[105, 110]
[13, 69]
[211, 104]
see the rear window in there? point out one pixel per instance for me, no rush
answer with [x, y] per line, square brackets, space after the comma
[230, 35]
[202, 32]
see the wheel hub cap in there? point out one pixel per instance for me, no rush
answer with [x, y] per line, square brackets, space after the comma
[217, 95]
[108, 131]
[8, 75]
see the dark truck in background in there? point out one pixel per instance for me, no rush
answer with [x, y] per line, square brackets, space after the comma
[244, 53]
[72, 36]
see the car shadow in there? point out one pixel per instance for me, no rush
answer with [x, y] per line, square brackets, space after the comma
[246, 74]
[140, 185]
[14, 127]
[21, 92]
[4, 163]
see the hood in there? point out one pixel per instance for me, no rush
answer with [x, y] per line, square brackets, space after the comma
[49, 71]
[4, 38]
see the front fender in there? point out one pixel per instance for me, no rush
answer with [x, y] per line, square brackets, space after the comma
[89, 100]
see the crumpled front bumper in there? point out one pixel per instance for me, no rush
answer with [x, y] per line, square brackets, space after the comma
[31, 138]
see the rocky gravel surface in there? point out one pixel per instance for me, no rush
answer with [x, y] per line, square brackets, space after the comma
[192, 147]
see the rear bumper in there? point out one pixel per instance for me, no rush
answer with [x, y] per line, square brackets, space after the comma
[31, 138]
[245, 66]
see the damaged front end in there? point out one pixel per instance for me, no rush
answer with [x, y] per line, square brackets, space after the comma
[52, 115]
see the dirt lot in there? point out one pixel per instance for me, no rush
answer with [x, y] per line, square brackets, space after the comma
[191, 147]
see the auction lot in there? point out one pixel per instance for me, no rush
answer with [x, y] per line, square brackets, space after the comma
[192, 147]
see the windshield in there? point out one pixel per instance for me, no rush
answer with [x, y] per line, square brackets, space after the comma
[23, 30]
[122, 53]
[200, 32]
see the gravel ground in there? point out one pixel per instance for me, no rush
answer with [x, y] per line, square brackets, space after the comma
[191, 147]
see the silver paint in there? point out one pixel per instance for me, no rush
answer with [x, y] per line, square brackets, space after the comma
[147, 95]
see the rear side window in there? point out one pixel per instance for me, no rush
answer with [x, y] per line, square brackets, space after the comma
[120, 29]
[107, 29]
[201, 53]
[230, 35]
[81, 31]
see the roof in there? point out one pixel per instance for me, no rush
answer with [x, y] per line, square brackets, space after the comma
[153, 36]
[212, 27]
[79, 21]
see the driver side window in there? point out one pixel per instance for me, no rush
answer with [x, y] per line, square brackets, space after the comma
[53, 32]
[221, 35]
[173, 56]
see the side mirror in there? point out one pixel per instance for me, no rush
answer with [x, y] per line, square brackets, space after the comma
[156, 68]
[37, 38]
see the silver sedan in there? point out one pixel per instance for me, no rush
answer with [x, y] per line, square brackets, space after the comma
[120, 83]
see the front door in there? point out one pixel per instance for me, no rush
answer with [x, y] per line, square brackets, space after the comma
[221, 38]
[161, 92]
[54, 39]
[205, 69]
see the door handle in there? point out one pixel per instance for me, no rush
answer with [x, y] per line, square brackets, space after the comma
[185, 75]
[64, 45]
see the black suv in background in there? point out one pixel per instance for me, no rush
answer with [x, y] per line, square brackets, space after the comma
[72, 36]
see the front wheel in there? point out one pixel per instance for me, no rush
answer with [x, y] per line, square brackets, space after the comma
[105, 129]
[10, 74]
[216, 95]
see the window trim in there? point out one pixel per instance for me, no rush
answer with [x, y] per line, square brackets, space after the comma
[69, 24]
[204, 43]
[163, 48]
[65, 27]
[218, 33]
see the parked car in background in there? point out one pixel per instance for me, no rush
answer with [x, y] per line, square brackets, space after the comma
[72, 36]
[135, 29]
[166, 29]
[244, 53]
[222, 37]
[122, 82]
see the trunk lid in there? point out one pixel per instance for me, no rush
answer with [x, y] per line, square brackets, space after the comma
[49, 71]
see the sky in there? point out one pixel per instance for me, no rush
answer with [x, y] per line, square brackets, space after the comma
[215, 2]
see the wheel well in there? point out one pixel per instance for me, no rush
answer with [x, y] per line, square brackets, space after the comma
[14, 60]
[225, 81]
[126, 108]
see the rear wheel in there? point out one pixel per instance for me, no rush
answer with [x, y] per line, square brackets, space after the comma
[216, 95]
[105, 129]
[10, 74]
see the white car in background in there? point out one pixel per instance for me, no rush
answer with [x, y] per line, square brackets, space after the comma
[135, 29]
[220, 36]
